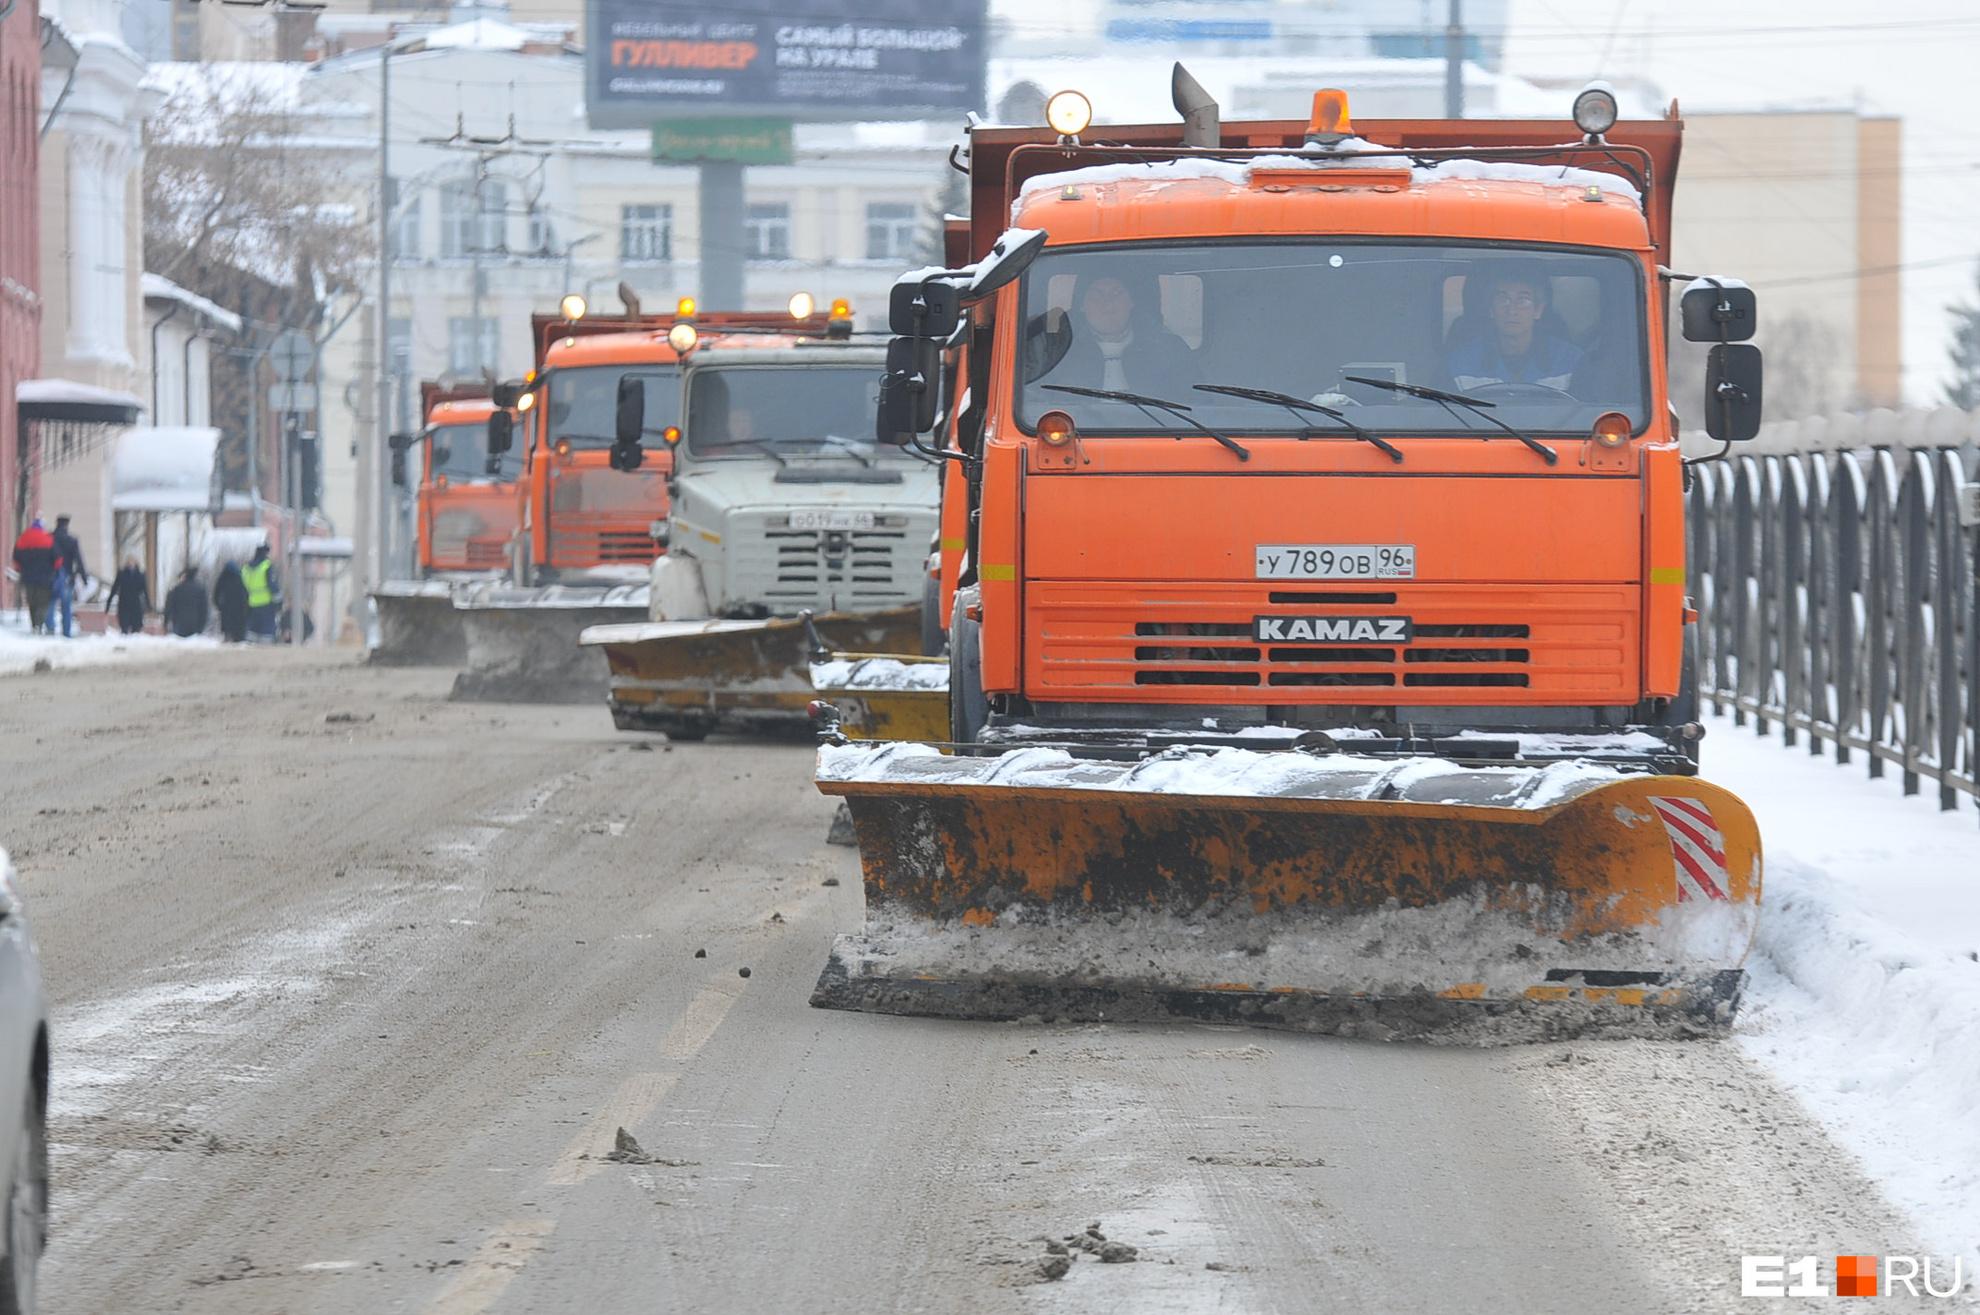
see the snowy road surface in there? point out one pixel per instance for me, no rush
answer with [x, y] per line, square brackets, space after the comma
[353, 988]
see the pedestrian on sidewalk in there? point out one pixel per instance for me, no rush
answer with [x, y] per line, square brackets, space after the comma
[264, 592]
[131, 592]
[34, 558]
[185, 606]
[69, 572]
[230, 596]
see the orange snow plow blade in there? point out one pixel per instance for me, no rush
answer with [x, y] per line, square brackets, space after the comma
[1354, 896]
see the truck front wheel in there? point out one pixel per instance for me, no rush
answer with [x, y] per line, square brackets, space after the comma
[968, 708]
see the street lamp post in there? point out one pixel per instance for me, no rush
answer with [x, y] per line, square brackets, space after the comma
[373, 505]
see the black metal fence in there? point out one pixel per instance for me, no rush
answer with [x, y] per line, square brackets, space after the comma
[1839, 601]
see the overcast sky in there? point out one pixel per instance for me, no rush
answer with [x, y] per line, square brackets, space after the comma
[1912, 58]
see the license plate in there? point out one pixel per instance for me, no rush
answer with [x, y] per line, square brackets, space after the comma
[831, 520]
[1336, 561]
[1332, 629]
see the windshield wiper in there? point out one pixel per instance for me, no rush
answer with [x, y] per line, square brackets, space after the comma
[1298, 404]
[1146, 403]
[767, 450]
[1477, 406]
[848, 446]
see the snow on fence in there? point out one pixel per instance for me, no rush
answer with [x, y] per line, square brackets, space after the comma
[1835, 566]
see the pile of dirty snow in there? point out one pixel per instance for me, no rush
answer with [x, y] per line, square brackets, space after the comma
[22, 651]
[879, 673]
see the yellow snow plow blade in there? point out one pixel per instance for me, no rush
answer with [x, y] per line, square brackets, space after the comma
[1338, 894]
[691, 677]
[884, 696]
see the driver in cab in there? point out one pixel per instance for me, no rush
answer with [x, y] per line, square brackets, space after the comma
[1516, 344]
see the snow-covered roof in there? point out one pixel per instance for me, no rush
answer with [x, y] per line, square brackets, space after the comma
[267, 84]
[158, 287]
[71, 392]
[324, 545]
[478, 34]
[166, 469]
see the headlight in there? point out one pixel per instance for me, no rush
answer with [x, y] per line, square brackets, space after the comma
[1595, 109]
[1069, 112]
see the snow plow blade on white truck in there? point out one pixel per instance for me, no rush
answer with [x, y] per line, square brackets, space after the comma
[1391, 899]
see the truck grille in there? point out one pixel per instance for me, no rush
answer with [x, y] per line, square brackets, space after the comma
[1572, 644]
[578, 547]
[844, 570]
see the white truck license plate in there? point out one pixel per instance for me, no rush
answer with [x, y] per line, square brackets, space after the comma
[831, 520]
[1336, 561]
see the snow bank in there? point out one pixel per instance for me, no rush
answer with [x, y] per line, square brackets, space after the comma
[1865, 983]
[20, 651]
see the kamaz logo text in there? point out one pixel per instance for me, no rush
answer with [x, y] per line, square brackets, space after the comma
[1332, 629]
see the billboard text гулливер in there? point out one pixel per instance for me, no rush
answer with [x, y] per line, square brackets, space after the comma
[828, 59]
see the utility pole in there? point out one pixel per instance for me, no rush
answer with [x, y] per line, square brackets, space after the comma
[373, 503]
[1454, 62]
[721, 233]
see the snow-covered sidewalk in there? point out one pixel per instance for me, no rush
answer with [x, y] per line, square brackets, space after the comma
[21, 650]
[1864, 993]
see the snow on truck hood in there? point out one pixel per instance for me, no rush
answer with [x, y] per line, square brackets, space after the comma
[1238, 173]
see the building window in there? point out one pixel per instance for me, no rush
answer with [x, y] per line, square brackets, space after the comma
[767, 231]
[542, 233]
[472, 345]
[892, 230]
[405, 224]
[472, 225]
[646, 232]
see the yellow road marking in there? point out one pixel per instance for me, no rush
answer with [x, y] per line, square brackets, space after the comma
[493, 1267]
[639, 1094]
[633, 1101]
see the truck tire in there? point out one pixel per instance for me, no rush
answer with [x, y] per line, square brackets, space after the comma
[969, 710]
[27, 1208]
[934, 639]
[1682, 709]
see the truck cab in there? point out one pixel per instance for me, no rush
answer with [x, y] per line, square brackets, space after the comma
[1289, 424]
[466, 510]
[576, 513]
[782, 501]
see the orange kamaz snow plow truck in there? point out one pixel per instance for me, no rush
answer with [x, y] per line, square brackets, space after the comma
[1318, 631]
[464, 512]
[587, 510]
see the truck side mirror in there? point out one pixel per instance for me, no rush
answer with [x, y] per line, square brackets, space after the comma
[906, 407]
[1010, 256]
[629, 424]
[1732, 392]
[506, 395]
[399, 443]
[629, 419]
[501, 433]
[1718, 311]
[926, 308]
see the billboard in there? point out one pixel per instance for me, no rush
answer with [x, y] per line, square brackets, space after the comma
[648, 60]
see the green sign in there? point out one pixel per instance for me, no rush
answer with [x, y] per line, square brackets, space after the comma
[739, 141]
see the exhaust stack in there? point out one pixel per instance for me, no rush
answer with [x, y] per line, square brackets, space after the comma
[1202, 124]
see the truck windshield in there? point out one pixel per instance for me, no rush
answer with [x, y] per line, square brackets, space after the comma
[808, 409]
[1551, 337]
[460, 452]
[582, 402]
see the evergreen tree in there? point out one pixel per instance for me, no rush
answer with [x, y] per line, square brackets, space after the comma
[1964, 389]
